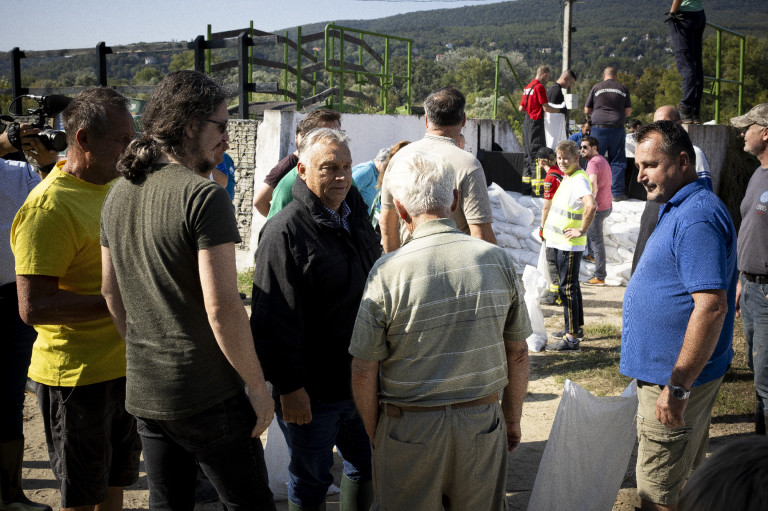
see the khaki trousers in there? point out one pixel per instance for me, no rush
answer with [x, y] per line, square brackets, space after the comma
[451, 457]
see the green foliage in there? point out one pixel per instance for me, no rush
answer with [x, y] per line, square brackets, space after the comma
[148, 76]
[182, 61]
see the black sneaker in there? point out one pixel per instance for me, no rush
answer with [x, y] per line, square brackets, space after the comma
[563, 345]
[561, 334]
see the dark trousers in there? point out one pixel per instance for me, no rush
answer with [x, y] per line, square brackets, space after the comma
[568, 264]
[687, 42]
[533, 139]
[219, 440]
[311, 449]
[15, 354]
[612, 146]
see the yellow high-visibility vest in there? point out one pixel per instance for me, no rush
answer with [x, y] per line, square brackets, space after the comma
[562, 217]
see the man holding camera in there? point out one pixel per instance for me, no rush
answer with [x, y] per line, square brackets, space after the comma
[78, 358]
[17, 179]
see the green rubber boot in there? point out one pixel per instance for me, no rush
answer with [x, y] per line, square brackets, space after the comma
[295, 507]
[355, 496]
[12, 497]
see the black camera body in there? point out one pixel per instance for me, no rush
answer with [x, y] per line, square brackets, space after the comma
[48, 106]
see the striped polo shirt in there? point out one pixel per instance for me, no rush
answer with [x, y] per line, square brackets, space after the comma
[436, 314]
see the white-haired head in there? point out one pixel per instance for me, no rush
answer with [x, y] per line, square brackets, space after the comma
[422, 183]
[323, 136]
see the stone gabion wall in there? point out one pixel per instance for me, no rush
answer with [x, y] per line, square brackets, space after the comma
[242, 141]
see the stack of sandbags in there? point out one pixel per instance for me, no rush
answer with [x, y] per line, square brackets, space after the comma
[516, 220]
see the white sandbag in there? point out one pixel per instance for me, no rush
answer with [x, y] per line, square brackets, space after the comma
[543, 269]
[587, 453]
[512, 211]
[625, 253]
[507, 240]
[533, 281]
[277, 459]
[554, 128]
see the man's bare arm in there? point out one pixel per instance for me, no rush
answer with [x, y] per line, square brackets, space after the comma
[593, 180]
[483, 232]
[709, 310]
[628, 112]
[365, 389]
[550, 109]
[514, 394]
[389, 222]
[262, 199]
[111, 292]
[229, 322]
[41, 302]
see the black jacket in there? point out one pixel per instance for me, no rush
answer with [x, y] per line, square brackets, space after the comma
[308, 282]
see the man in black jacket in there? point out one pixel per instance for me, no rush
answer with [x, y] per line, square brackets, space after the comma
[312, 263]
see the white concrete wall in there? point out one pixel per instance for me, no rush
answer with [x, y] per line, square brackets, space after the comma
[368, 133]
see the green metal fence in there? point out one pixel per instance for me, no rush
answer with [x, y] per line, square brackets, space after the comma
[717, 79]
[497, 89]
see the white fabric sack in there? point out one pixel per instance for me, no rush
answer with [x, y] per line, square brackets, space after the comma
[554, 128]
[277, 459]
[543, 269]
[587, 453]
[533, 281]
[512, 211]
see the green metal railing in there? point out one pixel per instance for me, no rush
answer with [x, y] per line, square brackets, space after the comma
[496, 89]
[717, 80]
[336, 65]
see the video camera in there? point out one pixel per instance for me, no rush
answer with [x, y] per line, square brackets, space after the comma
[48, 106]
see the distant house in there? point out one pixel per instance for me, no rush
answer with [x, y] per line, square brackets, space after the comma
[439, 57]
[449, 46]
[150, 61]
[545, 50]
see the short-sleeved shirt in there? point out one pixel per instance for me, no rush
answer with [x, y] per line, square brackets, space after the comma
[555, 97]
[753, 232]
[227, 167]
[279, 171]
[552, 181]
[155, 230]
[56, 234]
[17, 179]
[609, 99]
[474, 205]
[691, 5]
[366, 175]
[436, 314]
[599, 166]
[692, 249]
[534, 96]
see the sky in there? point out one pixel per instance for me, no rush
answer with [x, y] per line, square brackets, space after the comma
[70, 24]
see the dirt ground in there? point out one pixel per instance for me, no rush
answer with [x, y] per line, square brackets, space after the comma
[601, 305]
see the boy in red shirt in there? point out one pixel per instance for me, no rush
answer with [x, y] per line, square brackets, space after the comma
[548, 161]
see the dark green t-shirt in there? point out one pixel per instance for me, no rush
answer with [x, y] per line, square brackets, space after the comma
[154, 230]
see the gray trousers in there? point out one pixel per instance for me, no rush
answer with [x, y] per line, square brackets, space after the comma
[456, 456]
[596, 242]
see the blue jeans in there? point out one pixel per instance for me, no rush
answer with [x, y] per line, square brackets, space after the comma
[311, 450]
[754, 315]
[15, 354]
[597, 243]
[687, 43]
[612, 143]
[568, 264]
[219, 440]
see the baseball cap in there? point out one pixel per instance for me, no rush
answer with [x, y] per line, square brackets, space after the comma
[758, 115]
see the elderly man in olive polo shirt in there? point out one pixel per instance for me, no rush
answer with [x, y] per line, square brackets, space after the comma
[440, 333]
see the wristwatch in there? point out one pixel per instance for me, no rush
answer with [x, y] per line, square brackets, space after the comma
[679, 393]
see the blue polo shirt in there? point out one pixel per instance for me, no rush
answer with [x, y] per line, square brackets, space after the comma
[366, 175]
[693, 248]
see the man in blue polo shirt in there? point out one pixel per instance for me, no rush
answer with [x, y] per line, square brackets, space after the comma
[678, 314]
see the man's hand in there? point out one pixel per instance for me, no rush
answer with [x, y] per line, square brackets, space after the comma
[669, 410]
[738, 297]
[541, 233]
[38, 152]
[572, 232]
[514, 434]
[264, 406]
[296, 407]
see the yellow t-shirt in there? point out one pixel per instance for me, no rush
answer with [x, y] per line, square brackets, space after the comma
[56, 233]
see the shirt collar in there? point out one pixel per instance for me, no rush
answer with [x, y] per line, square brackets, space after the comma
[440, 138]
[339, 219]
[437, 226]
[685, 192]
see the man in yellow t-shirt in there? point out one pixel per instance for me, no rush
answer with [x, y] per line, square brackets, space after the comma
[78, 358]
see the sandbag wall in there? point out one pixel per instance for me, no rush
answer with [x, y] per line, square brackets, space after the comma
[516, 220]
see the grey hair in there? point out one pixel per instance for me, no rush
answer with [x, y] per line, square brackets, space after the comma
[320, 136]
[568, 146]
[422, 183]
[88, 111]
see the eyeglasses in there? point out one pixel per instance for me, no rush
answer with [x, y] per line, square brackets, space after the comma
[222, 125]
[585, 147]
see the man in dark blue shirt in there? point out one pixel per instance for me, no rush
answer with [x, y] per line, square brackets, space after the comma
[678, 314]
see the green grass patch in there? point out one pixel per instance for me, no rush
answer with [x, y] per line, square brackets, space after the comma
[596, 368]
[245, 281]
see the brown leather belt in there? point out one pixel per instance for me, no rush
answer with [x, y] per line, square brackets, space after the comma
[397, 411]
[757, 279]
